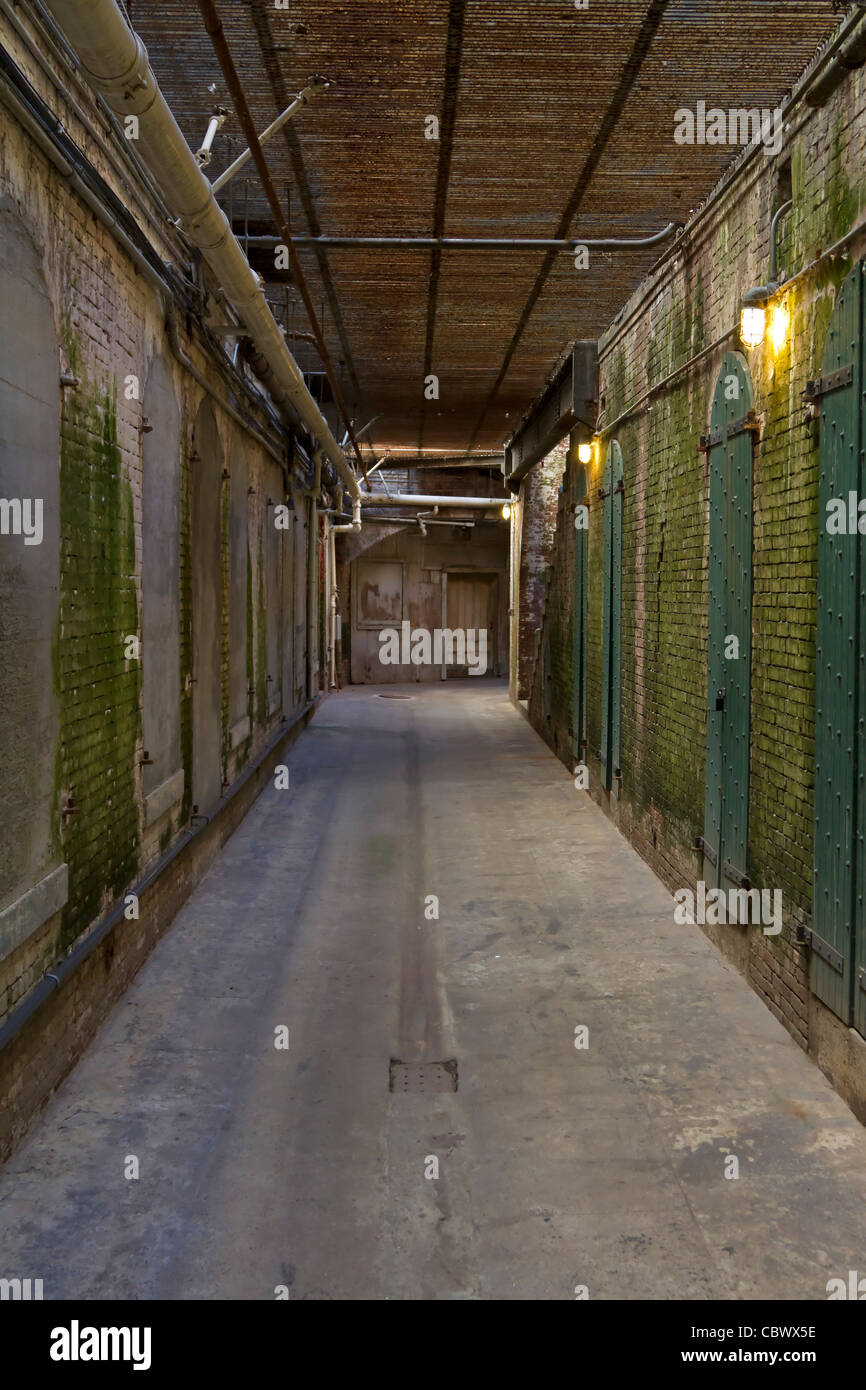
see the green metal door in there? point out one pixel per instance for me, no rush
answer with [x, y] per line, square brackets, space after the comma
[837, 958]
[729, 627]
[578, 631]
[612, 489]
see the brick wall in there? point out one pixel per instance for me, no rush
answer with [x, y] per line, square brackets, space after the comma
[690, 302]
[538, 503]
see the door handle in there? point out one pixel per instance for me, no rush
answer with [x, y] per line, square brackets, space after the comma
[720, 699]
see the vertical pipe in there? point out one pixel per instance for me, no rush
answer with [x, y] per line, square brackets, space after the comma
[334, 598]
[326, 606]
[313, 582]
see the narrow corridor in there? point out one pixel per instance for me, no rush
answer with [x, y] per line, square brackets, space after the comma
[558, 1166]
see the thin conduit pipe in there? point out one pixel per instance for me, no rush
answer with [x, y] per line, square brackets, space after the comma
[313, 578]
[774, 238]
[831, 251]
[678, 371]
[217, 36]
[426, 243]
[300, 100]
[53, 39]
[188, 366]
[409, 499]
[115, 61]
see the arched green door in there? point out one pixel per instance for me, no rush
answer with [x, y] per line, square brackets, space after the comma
[729, 628]
[611, 616]
[838, 958]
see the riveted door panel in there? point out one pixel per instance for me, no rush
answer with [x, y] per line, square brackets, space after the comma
[839, 693]
[616, 609]
[858, 982]
[611, 656]
[578, 635]
[607, 517]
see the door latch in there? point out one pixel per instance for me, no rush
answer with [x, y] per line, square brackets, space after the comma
[720, 699]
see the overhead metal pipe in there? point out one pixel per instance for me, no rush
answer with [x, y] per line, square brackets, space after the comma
[354, 524]
[216, 122]
[412, 499]
[313, 579]
[457, 243]
[216, 33]
[315, 84]
[115, 61]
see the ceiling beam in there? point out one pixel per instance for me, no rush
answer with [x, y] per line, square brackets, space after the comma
[259, 10]
[453, 55]
[569, 400]
[647, 32]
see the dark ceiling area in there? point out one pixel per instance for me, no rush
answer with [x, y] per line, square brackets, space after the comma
[553, 122]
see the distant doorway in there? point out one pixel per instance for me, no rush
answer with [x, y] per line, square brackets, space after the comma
[471, 607]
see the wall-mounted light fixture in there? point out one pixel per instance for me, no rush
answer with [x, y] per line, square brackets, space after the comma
[584, 452]
[753, 314]
[753, 317]
[506, 512]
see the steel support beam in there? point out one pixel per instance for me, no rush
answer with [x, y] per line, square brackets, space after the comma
[570, 399]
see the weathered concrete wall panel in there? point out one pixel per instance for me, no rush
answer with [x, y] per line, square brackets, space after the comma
[29, 568]
[160, 587]
[206, 490]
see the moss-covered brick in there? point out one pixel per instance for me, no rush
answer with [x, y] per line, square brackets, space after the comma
[98, 689]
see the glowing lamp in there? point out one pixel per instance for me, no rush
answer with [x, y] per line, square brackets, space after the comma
[753, 321]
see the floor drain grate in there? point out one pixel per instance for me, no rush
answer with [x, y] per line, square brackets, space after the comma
[395, 697]
[422, 1078]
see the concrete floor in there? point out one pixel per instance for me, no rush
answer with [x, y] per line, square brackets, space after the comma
[557, 1167]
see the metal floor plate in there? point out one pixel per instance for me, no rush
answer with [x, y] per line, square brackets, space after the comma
[422, 1078]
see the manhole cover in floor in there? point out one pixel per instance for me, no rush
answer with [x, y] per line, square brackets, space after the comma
[422, 1078]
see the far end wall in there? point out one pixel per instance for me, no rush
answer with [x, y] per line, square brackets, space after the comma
[407, 577]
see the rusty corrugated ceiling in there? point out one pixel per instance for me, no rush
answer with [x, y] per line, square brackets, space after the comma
[553, 121]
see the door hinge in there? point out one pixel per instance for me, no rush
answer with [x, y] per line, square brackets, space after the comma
[706, 850]
[807, 937]
[833, 381]
[743, 425]
[736, 875]
[740, 426]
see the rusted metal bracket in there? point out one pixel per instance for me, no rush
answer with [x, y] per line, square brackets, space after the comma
[833, 381]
